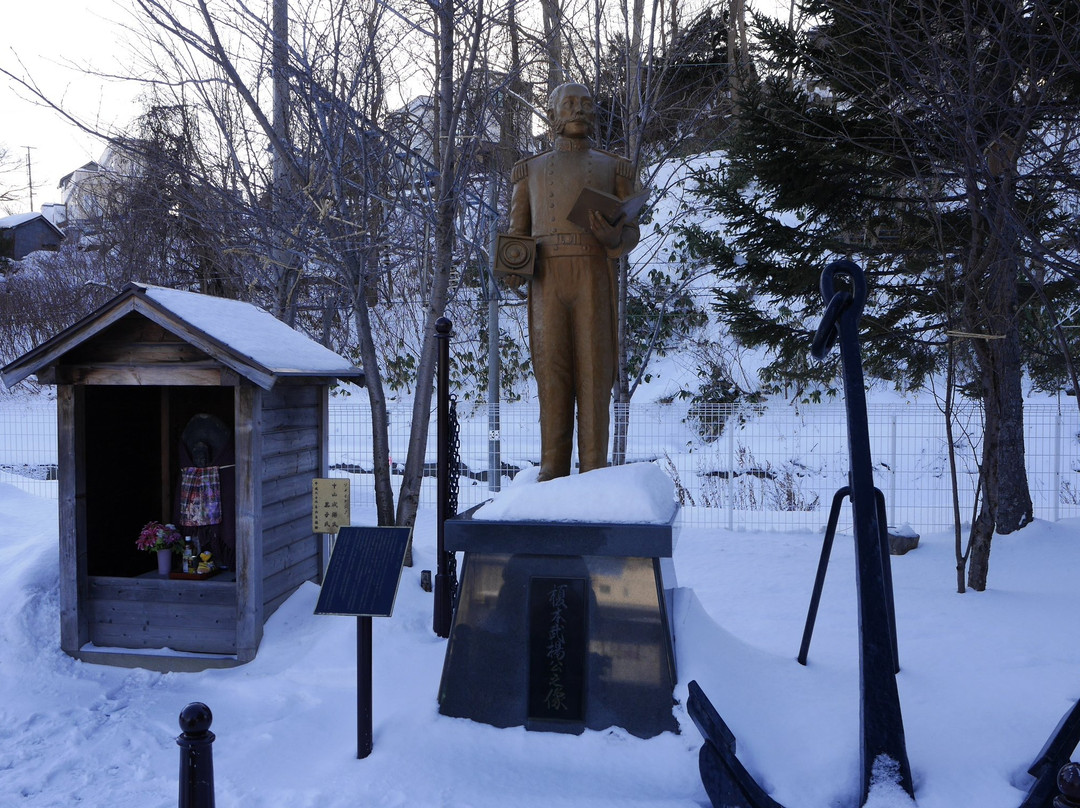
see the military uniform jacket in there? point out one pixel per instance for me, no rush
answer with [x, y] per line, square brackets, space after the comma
[547, 185]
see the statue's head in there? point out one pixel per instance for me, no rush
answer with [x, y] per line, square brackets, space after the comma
[200, 454]
[571, 111]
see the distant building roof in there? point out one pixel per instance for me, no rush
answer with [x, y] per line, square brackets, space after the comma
[91, 167]
[17, 219]
[25, 233]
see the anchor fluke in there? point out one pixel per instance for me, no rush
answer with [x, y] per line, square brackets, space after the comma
[727, 783]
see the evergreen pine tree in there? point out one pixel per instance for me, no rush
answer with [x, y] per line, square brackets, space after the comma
[934, 143]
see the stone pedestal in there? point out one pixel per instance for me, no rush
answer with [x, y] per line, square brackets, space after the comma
[561, 626]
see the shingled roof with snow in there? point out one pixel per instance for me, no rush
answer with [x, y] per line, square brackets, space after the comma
[239, 335]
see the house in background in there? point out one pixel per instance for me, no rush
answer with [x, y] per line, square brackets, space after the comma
[55, 212]
[25, 233]
[80, 190]
[92, 189]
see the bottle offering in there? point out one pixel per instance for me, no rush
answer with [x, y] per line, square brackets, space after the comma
[188, 564]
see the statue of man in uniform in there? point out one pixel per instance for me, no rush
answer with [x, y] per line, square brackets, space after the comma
[572, 316]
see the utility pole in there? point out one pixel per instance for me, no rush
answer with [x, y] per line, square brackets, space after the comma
[285, 263]
[30, 176]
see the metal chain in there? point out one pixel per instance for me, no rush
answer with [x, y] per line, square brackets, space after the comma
[454, 450]
[453, 482]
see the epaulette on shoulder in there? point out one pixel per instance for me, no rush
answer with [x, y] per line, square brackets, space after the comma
[623, 167]
[521, 168]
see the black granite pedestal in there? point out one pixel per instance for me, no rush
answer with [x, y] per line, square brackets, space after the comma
[561, 626]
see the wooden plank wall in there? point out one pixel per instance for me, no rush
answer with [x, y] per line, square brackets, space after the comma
[249, 515]
[74, 625]
[161, 613]
[292, 458]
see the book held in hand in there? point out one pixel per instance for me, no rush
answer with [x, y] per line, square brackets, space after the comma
[607, 205]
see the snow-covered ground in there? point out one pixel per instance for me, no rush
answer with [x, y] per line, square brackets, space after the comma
[985, 679]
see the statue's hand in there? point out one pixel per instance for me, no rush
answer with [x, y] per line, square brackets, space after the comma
[513, 281]
[607, 233]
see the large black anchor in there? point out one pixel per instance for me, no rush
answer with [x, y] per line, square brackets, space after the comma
[882, 727]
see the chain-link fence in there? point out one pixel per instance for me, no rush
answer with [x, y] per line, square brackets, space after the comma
[772, 467]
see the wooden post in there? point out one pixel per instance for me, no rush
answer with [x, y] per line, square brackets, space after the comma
[249, 576]
[74, 625]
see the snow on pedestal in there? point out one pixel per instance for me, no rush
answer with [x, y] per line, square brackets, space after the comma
[637, 492]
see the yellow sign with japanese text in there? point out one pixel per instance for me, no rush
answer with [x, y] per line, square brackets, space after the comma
[330, 504]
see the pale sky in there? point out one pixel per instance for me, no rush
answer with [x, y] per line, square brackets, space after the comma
[51, 39]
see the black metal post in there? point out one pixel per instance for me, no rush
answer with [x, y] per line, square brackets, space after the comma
[363, 687]
[443, 606]
[882, 721]
[196, 757]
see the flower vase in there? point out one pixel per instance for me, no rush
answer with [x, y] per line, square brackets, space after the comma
[164, 562]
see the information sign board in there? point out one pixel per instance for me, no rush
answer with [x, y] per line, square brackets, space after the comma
[364, 571]
[330, 506]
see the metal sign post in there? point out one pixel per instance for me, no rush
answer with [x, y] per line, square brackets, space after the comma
[362, 579]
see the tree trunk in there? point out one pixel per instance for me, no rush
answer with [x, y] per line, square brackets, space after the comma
[982, 532]
[950, 392]
[737, 56]
[409, 495]
[1015, 508]
[284, 261]
[1006, 504]
[380, 422]
[635, 90]
[553, 39]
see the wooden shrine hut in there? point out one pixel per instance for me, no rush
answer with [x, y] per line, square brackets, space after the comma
[154, 382]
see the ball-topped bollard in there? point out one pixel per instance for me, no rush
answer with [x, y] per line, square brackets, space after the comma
[195, 719]
[1068, 782]
[196, 757]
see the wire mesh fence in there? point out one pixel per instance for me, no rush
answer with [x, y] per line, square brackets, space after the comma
[771, 467]
[28, 445]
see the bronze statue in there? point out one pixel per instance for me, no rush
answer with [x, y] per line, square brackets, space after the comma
[572, 300]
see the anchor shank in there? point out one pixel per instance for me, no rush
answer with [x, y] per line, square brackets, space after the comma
[881, 719]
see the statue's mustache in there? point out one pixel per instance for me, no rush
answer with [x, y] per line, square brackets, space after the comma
[560, 125]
